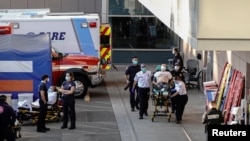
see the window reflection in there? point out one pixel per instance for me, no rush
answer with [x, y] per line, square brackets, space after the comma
[140, 33]
[127, 7]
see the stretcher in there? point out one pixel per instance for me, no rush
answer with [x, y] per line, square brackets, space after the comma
[30, 111]
[161, 101]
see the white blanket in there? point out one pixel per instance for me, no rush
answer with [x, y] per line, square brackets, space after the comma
[52, 97]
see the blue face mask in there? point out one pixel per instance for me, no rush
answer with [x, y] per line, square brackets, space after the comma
[135, 62]
[67, 78]
[143, 70]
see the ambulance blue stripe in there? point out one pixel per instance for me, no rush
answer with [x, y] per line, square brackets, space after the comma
[84, 37]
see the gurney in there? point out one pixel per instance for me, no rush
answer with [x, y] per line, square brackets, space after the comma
[161, 101]
[30, 110]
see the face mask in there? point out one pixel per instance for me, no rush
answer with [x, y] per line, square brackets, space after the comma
[143, 70]
[163, 68]
[50, 90]
[176, 68]
[135, 62]
[173, 52]
[67, 78]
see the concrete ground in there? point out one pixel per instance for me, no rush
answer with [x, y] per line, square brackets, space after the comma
[107, 117]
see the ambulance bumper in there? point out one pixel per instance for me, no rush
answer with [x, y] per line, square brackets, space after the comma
[96, 79]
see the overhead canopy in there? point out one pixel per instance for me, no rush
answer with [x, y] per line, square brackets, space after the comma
[206, 24]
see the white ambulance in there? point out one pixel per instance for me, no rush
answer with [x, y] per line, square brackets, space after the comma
[76, 37]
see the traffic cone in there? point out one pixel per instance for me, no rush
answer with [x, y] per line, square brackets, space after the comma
[87, 97]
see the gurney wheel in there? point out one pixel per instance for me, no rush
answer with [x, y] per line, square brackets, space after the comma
[152, 119]
[19, 135]
[168, 119]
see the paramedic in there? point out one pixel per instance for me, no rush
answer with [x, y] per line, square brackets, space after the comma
[43, 99]
[7, 120]
[178, 72]
[212, 116]
[182, 98]
[129, 76]
[177, 58]
[143, 79]
[68, 100]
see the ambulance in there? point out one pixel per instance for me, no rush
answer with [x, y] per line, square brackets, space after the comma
[80, 44]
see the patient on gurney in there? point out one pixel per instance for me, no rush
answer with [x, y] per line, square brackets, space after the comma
[161, 78]
[52, 98]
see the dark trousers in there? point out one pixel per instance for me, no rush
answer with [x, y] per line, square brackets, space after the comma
[42, 115]
[69, 110]
[180, 106]
[173, 100]
[8, 134]
[173, 103]
[143, 99]
[134, 99]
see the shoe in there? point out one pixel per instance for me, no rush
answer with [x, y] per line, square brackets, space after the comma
[140, 117]
[132, 110]
[63, 127]
[137, 107]
[146, 113]
[177, 122]
[42, 131]
[47, 129]
[71, 128]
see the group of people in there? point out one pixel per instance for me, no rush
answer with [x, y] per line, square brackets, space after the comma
[8, 115]
[68, 102]
[139, 79]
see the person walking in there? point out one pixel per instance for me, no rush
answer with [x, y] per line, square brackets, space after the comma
[177, 58]
[129, 76]
[178, 72]
[7, 120]
[213, 116]
[43, 99]
[143, 79]
[181, 98]
[68, 101]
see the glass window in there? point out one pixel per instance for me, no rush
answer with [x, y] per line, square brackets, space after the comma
[140, 33]
[127, 7]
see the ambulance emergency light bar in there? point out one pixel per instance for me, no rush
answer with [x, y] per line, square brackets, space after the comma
[26, 11]
[90, 24]
[65, 14]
